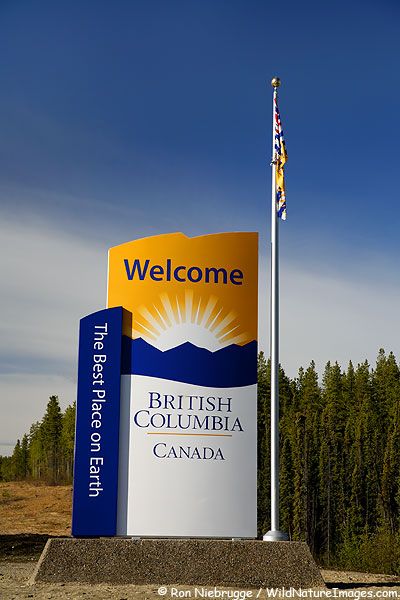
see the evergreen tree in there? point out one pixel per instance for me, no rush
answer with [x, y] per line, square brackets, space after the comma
[6, 468]
[51, 428]
[331, 462]
[390, 479]
[67, 441]
[371, 462]
[17, 462]
[286, 486]
[263, 445]
[36, 452]
[305, 510]
[24, 457]
[287, 399]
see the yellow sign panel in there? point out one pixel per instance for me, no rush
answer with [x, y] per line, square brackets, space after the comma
[201, 290]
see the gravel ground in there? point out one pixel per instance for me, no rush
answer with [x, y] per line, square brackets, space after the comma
[14, 583]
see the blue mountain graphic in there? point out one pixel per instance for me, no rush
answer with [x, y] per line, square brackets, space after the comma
[232, 366]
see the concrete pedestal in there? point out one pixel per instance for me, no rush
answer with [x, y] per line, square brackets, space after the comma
[206, 562]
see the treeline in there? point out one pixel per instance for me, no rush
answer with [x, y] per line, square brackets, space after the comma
[47, 452]
[339, 462]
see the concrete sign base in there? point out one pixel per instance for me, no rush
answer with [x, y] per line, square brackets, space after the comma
[206, 562]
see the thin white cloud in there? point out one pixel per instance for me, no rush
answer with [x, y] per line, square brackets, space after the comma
[50, 279]
[327, 318]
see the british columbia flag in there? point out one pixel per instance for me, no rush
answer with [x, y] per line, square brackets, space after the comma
[280, 158]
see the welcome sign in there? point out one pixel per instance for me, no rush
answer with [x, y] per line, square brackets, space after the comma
[186, 459]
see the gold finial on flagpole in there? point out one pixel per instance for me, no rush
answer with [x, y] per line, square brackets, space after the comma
[275, 82]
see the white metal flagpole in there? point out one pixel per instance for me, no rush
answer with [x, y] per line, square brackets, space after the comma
[274, 534]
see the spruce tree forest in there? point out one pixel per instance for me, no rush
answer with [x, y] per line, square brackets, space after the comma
[339, 460]
[46, 453]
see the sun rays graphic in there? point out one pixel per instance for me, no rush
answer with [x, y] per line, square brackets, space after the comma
[175, 319]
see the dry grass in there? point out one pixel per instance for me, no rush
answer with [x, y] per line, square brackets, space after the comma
[34, 508]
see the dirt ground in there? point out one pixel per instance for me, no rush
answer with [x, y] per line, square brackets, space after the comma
[26, 508]
[29, 508]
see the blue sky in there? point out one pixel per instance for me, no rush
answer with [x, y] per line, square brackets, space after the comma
[125, 119]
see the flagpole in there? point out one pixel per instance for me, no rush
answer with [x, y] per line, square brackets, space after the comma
[274, 534]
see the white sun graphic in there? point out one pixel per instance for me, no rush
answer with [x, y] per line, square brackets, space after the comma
[174, 320]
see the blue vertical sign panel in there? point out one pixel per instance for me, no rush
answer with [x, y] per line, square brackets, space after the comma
[95, 490]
